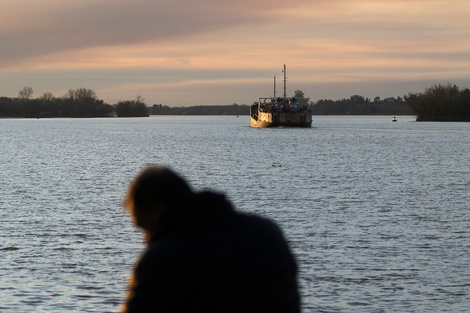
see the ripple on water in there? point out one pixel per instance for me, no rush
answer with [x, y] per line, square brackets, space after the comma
[377, 217]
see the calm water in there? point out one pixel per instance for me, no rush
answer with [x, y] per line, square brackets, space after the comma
[377, 212]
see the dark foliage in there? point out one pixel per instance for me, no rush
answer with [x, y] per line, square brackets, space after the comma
[133, 108]
[441, 103]
[233, 109]
[77, 103]
[358, 105]
[438, 103]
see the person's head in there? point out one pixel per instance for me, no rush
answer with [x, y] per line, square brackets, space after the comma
[151, 192]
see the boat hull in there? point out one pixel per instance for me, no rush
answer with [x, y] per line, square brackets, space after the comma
[281, 119]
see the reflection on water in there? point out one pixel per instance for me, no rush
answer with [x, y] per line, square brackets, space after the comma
[376, 212]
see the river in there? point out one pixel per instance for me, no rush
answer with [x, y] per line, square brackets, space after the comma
[377, 213]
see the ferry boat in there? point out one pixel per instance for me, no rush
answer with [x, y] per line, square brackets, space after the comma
[281, 111]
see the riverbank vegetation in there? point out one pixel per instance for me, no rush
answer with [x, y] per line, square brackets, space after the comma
[79, 102]
[232, 109]
[359, 105]
[441, 103]
[355, 105]
[438, 103]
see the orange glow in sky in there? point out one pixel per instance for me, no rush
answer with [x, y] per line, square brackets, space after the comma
[182, 53]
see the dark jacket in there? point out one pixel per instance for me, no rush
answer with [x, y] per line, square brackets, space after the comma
[206, 257]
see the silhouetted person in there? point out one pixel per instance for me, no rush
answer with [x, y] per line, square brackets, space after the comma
[202, 255]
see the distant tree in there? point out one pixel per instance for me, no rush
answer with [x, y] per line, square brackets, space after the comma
[359, 105]
[9, 107]
[299, 94]
[132, 108]
[139, 99]
[441, 103]
[357, 99]
[26, 93]
[159, 109]
[83, 102]
[47, 97]
[82, 95]
[76, 103]
[232, 109]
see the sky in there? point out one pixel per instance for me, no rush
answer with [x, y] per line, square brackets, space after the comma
[220, 52]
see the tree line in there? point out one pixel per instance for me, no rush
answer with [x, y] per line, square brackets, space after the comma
[441, 103]
[355, 105]
[232, 109]
[359, 105]
[437, 103]
[81, 102]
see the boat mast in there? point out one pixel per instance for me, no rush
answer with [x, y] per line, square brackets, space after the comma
[285, 80]
[274, 87]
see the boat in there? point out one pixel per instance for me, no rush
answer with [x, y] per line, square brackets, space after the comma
[394, 119]
[281, 111]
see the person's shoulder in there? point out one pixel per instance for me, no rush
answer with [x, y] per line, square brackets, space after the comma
[265, 236]
[260, 226]
[258, 220]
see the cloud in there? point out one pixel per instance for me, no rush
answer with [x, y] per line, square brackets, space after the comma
[82, 30]
[182, 47]
[37, 28]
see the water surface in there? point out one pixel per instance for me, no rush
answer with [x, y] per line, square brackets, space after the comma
[376, 212]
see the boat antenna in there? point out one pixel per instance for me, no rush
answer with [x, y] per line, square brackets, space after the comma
[285, 81]
[274, 86]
